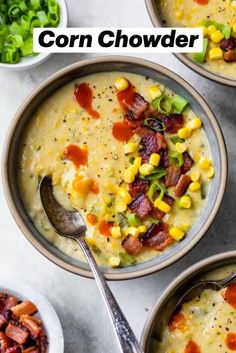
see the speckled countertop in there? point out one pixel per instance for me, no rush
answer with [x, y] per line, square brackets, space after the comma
[77, 300]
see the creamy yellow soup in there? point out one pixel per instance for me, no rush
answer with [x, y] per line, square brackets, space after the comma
[188, 13]
[101, 187]
[207, 324]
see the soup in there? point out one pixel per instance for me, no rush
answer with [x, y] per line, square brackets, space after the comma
[129, 154]
[205, 324]
[218, 20]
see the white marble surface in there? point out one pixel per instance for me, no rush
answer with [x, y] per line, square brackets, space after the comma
[77, 301]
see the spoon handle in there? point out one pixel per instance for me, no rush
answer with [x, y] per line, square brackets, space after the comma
[127, 339]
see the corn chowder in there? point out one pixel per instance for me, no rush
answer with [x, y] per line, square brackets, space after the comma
[218, 21]
[129, 154]
[206, 324]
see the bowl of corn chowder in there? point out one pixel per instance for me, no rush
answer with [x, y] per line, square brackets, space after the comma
[203, 324]
[130, 145]
[217, 19]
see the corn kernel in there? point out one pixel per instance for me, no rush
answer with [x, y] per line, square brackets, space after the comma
[195, 175]
[183, 226]
[194, 186]
[181, 147]
[184, 133]
[195, 123]
[116, 232]
[185, 201]
[121, 206]
[233, 4]
[130, 173]
[131, 231]
[155, 159]
[121, 83]
[90, 241]
[142, 229]
[162, 206]
[179, 14]
[204, 163]
[204, 31]
[211, 172]
[146, 169]
[138, 161]
[155, 91]
[211, 29]
[130, 147]
[234, 27]
[125, 195]
[215, 54]
[216, 37]
[176, 233]
[114, 261]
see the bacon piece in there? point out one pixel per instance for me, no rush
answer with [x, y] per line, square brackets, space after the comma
[149, 145]
[158, 214]
[32, 324]
[172, 176]
[173, 123]
[42, 344]
[164, 159]
[141, 206]
[188, 162]
[228, 44]
[31, 350]
[5, 342]
[138, 186]
[3, 321]
[16, 333]
[10, 302]
[157, 237]
[230, 56]
[161, 141]
[135, 124]
[182, 185]
[13, 350]
[25, 307]
[132, 245]
[137, 108]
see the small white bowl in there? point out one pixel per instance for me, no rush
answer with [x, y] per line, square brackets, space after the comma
[32, 61]
[46, 312]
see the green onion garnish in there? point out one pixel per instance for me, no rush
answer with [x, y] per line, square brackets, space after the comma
[162, 104]
[176, 158]
[179, 103]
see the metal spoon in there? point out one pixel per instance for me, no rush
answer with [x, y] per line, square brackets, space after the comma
[198, 288]
[71, 225]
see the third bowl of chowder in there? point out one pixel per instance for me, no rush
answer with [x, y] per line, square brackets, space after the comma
[217, 19]
[131, 152]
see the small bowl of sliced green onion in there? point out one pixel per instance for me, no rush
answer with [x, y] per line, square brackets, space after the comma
[18, 18]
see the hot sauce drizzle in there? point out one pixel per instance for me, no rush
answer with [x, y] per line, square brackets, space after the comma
[231, 341]
[76, 154]
[177, 322]
[126, 97]
[122, 131]
[230, 295]
[202, 2]
[105, 228]
[84, 96]
[192, 347]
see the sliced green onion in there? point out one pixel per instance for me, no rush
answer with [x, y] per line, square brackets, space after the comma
[32, 15]
[35, 23]
[134, 220]
[14, 11]
[36, 4]
[3, 8]
[23, 6]
[226, 31]
[10, 54]
[52, 6]
[157, 173]
[27, 47]
[176, 158]
[126, 259]
[200, 57]
[153, 188]
[17, 40]
[154, 220]
[43, 18]
[179, 103]
[53, 19]
[25, 22]
[2, 19]
[162, 104]
[15, 28]
[160, 126]
[176, 139]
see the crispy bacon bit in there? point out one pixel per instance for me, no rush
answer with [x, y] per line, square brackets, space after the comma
[182, 185]
[228, 44]
[134, 124]
[157, 237]
[173, 123]
[3, 321]
[132, 245]
[16, 333]
[230, 56]
[164, 159]
[31, 324]
[137, 108]
[172, 176]
[149, 145]
[25, 307]
[177, 322]
[5, 342]
[31, 350]
[161, 141]
[188, 162]
[141, 206]
[42, 344]
[158, 214]
[138, 186]
[9, 303]
[14, 350]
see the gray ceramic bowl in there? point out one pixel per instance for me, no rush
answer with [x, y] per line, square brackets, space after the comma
[154, 13]
[116, 63]
[163, 310]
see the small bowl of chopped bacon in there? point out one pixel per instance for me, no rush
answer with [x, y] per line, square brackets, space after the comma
[28, 322]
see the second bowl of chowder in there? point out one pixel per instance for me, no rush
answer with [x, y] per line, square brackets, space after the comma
[134, 148]
[205, 323]
[217, 18]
